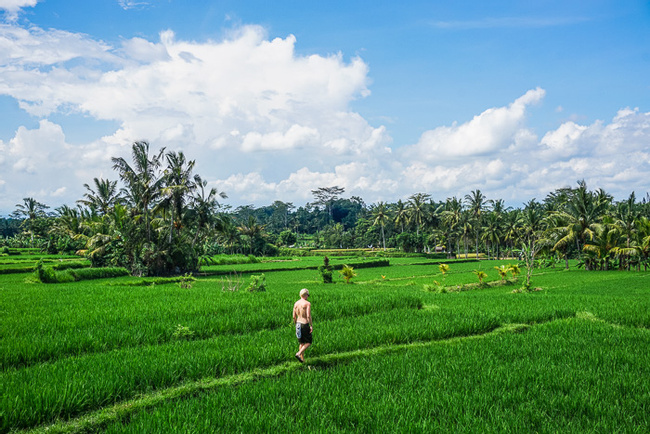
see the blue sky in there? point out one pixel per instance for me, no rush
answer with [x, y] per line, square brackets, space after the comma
[274, 99]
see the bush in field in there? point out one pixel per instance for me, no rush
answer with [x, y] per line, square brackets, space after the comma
[182, 332]
[503, 271]
[257, 283]
[481, 275]
[348, 273]
[514, 270]
[186, 281]
[325, 270]
[5, 250]
[435, 287]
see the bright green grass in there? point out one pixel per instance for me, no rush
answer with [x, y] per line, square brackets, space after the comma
[106, 344]
[531, 382]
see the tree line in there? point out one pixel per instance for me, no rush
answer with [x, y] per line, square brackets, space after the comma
[164, 219]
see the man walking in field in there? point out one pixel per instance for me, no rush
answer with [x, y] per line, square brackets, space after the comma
[304, 326]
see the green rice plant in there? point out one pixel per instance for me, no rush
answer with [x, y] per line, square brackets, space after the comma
[106, 344]
[348, 273]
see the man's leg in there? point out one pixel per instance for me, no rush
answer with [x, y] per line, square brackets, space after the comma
[302, 349]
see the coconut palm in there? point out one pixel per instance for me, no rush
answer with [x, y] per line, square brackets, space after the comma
[380, 216]
[30, 210]
[581, 213]
[103, 197]
[177, 187]
[401, 214]
[143, 180]
[476, 203]
[492, 233]
[417, 209]
[252, 230]
[205, 207]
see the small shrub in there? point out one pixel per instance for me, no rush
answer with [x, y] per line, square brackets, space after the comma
[257, 283]
[325, 270]
[481, 275]
[182, 332]
[503, 271]
[5, 250]
[186, 281]
[436, 287]
[348, 273]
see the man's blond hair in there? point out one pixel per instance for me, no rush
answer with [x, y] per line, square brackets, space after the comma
[304, 291]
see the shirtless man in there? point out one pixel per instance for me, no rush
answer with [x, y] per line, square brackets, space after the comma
[304, 326]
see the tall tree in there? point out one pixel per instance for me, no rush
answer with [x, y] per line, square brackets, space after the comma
[476, 203]
[103, 197]
[380, 216]
[326, 196]
[417, 209]
[143, 179]
[31, 211]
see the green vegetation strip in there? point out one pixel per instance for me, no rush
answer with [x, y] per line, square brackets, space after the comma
[122, 410]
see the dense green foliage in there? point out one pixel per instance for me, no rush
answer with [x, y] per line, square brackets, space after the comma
[387, 356]
[163, 221]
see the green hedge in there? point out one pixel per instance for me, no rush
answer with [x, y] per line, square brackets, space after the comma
[365, 264]
[47, 274]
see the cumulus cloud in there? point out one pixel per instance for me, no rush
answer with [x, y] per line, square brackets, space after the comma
[265, 123]
[493, 129]
[12, 7]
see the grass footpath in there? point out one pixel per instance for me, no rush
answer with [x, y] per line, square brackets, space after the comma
[462, 399]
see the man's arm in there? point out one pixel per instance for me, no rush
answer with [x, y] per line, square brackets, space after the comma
[309, 315]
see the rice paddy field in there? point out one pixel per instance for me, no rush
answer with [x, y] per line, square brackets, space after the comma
[132, 355]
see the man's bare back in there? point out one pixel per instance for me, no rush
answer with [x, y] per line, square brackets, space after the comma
[302, 311]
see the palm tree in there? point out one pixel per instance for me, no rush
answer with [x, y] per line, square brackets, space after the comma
[143, 180]
[492, 234]
[602, 245]
[476, 203]
[401, 214]
[178, 184]
[103, 197]
[416, 209]
[381, 216]
[512, 228]
[205, 207]
[581, 213]
[451, 217]
[30, 210]
[252, 230]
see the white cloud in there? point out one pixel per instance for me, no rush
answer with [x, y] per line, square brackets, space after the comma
[491, 130]
[264, 123]
[131, 4]
[12, 7]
